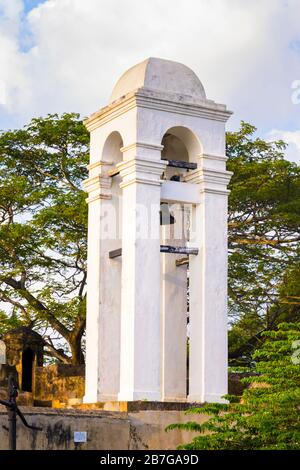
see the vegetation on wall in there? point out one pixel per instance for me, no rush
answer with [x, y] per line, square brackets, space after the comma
[267, 417]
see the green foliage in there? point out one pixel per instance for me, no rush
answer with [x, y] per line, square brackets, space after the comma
[43, 225]
[267, 417]
[43, 239]
[263, 224]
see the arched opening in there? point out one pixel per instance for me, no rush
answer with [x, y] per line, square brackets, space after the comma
[27, 369]
[112, 148]
[112, 154]
[112, 268]
[188, 138]
[182, 149]
[180, 145]
[174, 148]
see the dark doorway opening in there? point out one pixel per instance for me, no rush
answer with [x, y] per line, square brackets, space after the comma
[27, 369]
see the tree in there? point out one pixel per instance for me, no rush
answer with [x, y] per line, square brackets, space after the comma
[43, 234]
[267, 417]
[263, 225]
[43, 225]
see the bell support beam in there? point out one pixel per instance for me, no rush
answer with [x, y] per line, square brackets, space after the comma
[177, 250]
[178, 192]
[173, 163]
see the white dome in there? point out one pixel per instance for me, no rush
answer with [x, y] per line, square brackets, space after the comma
[159, 75]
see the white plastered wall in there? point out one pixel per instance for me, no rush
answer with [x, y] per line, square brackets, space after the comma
[138, 354]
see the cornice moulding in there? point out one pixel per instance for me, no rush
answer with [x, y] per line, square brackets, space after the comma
[139, 99]
[99, 163]
[208, 156]
[143, 145]
[97, 197]
[205, 175]
[141, 170]
[96, 182]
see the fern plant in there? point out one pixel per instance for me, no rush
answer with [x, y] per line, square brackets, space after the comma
[267, 415]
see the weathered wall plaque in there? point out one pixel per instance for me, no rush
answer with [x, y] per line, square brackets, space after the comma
[80, 436]
[2, 352]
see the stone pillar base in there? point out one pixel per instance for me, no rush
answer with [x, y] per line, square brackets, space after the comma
[208, 398]
[137, 405]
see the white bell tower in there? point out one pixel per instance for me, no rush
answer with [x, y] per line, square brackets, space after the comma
[157, 240]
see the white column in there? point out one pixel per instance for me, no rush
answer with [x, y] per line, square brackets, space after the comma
[140, 303]
[208, 289]
[174, 312]
[103, 291]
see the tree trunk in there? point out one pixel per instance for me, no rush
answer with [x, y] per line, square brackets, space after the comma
[76, 350]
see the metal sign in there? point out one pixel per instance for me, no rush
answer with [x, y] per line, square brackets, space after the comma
[80, 436]
[2, 352]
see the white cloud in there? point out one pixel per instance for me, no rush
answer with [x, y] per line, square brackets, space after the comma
[14, 82]
[2, 92]
[292, 138]
[240, 50]
[10, 12]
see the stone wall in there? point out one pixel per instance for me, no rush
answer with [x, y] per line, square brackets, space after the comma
[235, 385]
[105, 430]
[5, 371]
[58, 384]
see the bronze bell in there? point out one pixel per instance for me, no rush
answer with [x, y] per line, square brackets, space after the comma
[166, 218]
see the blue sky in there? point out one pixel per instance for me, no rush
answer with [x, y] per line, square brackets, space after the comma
[65, 55]
[30, 4]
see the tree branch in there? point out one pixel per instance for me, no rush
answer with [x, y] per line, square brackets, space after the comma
[38, 305]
